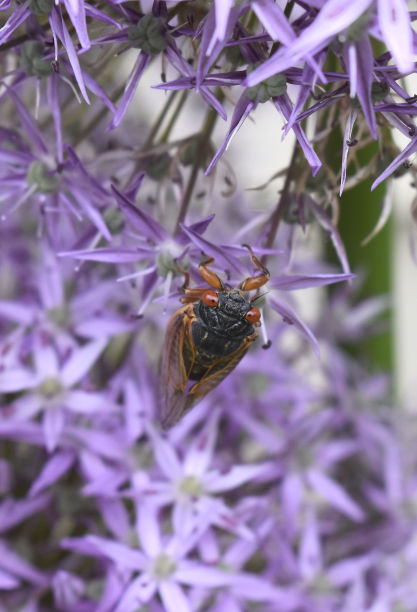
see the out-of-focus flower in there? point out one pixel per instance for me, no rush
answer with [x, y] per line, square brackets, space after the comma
[52, 380]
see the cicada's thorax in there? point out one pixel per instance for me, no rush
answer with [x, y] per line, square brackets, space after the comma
[219, 331]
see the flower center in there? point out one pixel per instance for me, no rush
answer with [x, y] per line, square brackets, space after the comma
[50, 387]
[164, 566]
[39, 177]
[59, 315]
[191, 486]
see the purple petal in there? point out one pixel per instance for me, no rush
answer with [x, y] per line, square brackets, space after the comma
[99, 15]
[76, 11]
[53, 103]
[326, 223]
[291, 283]
[346, 571]
[213, 40]
[53, 425]
[238, 475]
[67, 590]
[401, 158]
[133, 80]
[148, 529]
[17, 379]
[304, 92]
[18, 16]
[116, 517]
[53, 469]
[10, 562]
[107, 325]
[81, 361]
[91, 211]
[359, 59]
[105, 445]
[51, 282]
[195, 574]
[95, 88]
[199, 228]
[17, 312]
[283, 104]
[289, 316]
[165, 455]
[14, 512]
[255, 588]
[310, 552]
[111, 254]
[121, 554]
[219, 254]
[335, 494]
[139, 591]
[274, 21]
[87, 403]
[334, 17]
[223, 9]
[242, 109]
[59, 28]
[173, 597]
[394, 22]
[144, 223]
[200, 453]
[7, 581]
[350, 122]
[45, 359]
[31, 129]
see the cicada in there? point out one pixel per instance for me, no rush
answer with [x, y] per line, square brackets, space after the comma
[206, 338]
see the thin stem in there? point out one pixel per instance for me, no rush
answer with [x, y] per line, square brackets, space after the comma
[276, 216]
[158, 121]
[203, 141]
[96, 120]
[174, 117]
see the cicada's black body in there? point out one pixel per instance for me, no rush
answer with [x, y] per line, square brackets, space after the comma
[217, 332]
[205, 340]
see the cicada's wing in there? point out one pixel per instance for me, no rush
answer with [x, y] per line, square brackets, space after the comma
[178, 393]
[216, 373]
[175, 365]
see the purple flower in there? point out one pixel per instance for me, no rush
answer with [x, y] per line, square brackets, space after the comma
[52, 380]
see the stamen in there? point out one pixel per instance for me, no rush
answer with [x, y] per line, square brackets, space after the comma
[266, 341]
[136, 274]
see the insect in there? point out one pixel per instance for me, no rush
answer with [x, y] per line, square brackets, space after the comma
[206, 338]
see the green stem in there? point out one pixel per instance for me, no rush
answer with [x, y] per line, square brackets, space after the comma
[274, 220]
[203, 141]
[93, 123]
[158, 121]
[174, 117]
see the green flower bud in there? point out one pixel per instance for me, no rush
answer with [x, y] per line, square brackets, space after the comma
[149, 35]
[32, 60]
[356, 30]
[38, 176]
[275, 86]
[41, 7]
[157, 166]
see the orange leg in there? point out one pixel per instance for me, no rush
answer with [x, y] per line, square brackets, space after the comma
[193, 295]
[185, 273]
[254, 282]
[209, 276]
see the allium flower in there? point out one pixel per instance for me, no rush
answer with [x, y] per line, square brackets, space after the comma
[164, 566]
[291, 486]
[192, 485]
[51, 380]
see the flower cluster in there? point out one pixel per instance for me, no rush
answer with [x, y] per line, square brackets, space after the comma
[291, 485]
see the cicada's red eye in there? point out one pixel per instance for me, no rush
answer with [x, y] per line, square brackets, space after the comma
[210, 298]
[254, 315]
